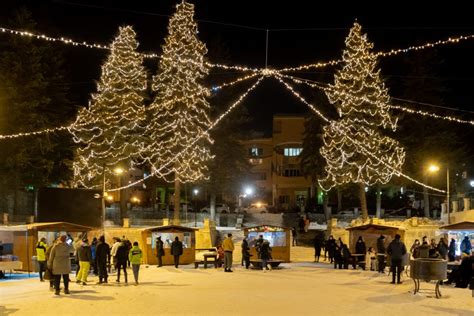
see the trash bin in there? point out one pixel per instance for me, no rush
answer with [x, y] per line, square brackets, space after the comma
[34, 264]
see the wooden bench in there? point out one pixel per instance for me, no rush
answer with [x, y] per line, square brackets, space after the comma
[257, 263]
[206, 260]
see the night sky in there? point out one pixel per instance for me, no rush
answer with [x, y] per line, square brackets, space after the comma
[300, 32]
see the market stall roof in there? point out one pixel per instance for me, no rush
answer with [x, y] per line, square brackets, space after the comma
[62, 226]
[262, 227]
[374, 226]
[168, 227]
[466, 225]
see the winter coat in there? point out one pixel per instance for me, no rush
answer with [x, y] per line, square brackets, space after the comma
[346, 254]
[317, 244]
[452, 248]
[176, 248]
[360, 247]
[228, 244]
[102, 252]
[245, 249]
[424, 251]
[41, 251]
[122, 254]
[396, 249]
[93, 250]
[84, 253]
[380, 245]
[442, 249]
[135, 255]
[59, 261]
[331, 247]
[113, 251]
[265, 250]
[160, 251]
[466, 246]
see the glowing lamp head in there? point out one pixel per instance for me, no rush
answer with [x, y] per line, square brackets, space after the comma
[135, 199]
[195, 191]
[110, 198]
[433, 168]
[118, 170]
[248, 190]
[471, 183]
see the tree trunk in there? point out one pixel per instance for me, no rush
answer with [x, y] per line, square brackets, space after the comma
[339, 199]
[327, 212]
[363, 201]
[177, 201]
[378, 203]
[426, 198]
[213, 206]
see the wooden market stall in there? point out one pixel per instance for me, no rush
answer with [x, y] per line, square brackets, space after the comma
[279, 238]
[371, 232]
[168, 233]
[459, 231]
[25, 237]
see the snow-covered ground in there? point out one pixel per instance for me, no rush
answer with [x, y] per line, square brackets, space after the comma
[297, 289]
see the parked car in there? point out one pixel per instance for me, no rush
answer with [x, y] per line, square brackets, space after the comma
[220, 208]
[256, 208]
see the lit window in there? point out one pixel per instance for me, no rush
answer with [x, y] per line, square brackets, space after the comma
[292, 152]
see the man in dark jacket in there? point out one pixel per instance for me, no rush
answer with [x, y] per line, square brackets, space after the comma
[396, 250]
[245, 253]
[318, 244]
[102, 257]
[122, 258]
[265, 254]
[360, 248]
[160, 251]
[176, 250]
[331, 248]
[452, 250]
[381, 253]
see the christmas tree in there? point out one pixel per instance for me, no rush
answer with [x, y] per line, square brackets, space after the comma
[180, 111]
[109, 130]
[352, 142]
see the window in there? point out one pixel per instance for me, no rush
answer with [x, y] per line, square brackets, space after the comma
[255, 152]
[292, 173]
[292, 152]
[282, 199]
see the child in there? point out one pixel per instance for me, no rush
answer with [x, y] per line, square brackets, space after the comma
[220, 255]
[372, 258]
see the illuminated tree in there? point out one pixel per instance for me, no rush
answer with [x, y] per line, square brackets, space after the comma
[179, 112]
[361, 98]
[110, 129]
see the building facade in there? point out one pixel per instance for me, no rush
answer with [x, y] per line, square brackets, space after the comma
[276, 164]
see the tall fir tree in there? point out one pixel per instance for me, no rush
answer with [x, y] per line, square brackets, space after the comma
[180, 111]
[34, 97]
[109, 130]
[361, 98]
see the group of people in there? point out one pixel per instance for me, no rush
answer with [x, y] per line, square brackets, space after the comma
[176, 250]
[337, 252]
[56, 260]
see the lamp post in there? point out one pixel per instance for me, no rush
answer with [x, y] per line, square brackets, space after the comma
[195, 193]
[435, 168]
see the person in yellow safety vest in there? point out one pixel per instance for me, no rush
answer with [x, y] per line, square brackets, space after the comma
[135, 258]
[41, 256]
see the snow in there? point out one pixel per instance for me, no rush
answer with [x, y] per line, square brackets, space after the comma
[300, 288]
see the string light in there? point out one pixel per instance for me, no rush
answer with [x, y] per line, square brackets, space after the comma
[228, 84]
[393, 52]
[109, 131]
[325, 88]
[172, 126]
[157, 170]
[361, 147]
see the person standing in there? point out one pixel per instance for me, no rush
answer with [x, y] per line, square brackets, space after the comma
[306, 224]
[396, 249]
[294, 234]
[466, 246]
[41, 256]
[135, 258]
[414, 250]
[442, 248]
[265, 255]
[361, 249]
[113, 251]
[245, 253]
[122, 258]
[176, 250]
[93, 252]
[47, 255]
[228, 246]
[102, 255]
[160, 251]
[452, 250]
[60, 264]
[331, 248]
[317, 248]
[381, 253]
[84, 254]
[258, 245]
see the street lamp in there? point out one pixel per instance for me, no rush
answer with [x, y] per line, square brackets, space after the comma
[435, 168]
[195, 193]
